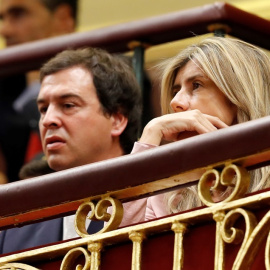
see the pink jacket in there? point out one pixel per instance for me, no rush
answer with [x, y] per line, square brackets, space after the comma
[147, 208]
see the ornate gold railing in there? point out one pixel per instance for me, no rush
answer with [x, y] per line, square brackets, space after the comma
[133, 176]
[225, 214]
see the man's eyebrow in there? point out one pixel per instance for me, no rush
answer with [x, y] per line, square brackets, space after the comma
[13, 11]
[61, 97]
[40, 101]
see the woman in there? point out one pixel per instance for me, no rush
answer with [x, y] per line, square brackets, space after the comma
[215, 84]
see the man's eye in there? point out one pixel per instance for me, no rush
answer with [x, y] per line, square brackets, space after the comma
[42, 110]
[69, 105]
[18, 13]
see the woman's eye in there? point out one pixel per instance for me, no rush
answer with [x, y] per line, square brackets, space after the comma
[174, 93]
[175, 90]
[196, 85]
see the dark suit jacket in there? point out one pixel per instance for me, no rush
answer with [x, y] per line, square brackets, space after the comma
[31, 235]
[38, 234]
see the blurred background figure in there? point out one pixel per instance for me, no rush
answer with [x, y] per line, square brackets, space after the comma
[3, 169]
[34, 168]
[24, 21]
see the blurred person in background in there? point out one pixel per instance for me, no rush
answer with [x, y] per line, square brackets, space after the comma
[24, 21]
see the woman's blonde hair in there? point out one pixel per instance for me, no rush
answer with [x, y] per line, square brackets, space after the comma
[242, 72]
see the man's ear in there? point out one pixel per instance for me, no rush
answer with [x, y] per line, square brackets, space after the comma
[63, 21]
[119, 123]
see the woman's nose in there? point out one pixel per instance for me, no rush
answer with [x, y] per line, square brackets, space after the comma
[181, 101]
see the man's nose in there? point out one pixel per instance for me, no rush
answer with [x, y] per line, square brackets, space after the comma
[6, 28]
[52, 118]
[181, 101]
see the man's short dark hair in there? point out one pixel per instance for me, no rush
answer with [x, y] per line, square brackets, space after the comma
[116, 85]
[53, 4]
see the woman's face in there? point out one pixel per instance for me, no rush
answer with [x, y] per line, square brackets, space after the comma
[193, 90]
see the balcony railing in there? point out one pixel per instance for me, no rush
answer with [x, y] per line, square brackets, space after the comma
[232, 234]
[152, 31]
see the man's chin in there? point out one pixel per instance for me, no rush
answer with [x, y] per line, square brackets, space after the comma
[56, 164]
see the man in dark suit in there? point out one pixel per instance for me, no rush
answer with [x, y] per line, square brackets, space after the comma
[90, 110]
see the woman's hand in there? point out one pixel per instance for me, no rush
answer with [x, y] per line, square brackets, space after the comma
[175, 126]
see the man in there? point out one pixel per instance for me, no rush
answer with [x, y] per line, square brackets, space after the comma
[28, 20]
[25, 21]
[90, 110]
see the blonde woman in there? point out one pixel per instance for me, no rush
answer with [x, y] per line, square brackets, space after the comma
[214, 84]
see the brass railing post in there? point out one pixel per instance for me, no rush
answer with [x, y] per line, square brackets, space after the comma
[136, 238]
[178, 254]
[220, 246]
[95, 249]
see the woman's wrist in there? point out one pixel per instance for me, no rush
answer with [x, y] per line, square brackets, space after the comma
[151, 134]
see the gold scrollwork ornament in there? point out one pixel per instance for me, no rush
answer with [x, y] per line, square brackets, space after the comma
[71, 257]
[99, 212]
[213, 183]
[251, 240]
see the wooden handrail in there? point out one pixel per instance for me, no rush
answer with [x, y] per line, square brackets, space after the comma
[153, 31]
[134, 175]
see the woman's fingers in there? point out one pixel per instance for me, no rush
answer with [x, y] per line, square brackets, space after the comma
[169, 127]
[216, 121]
